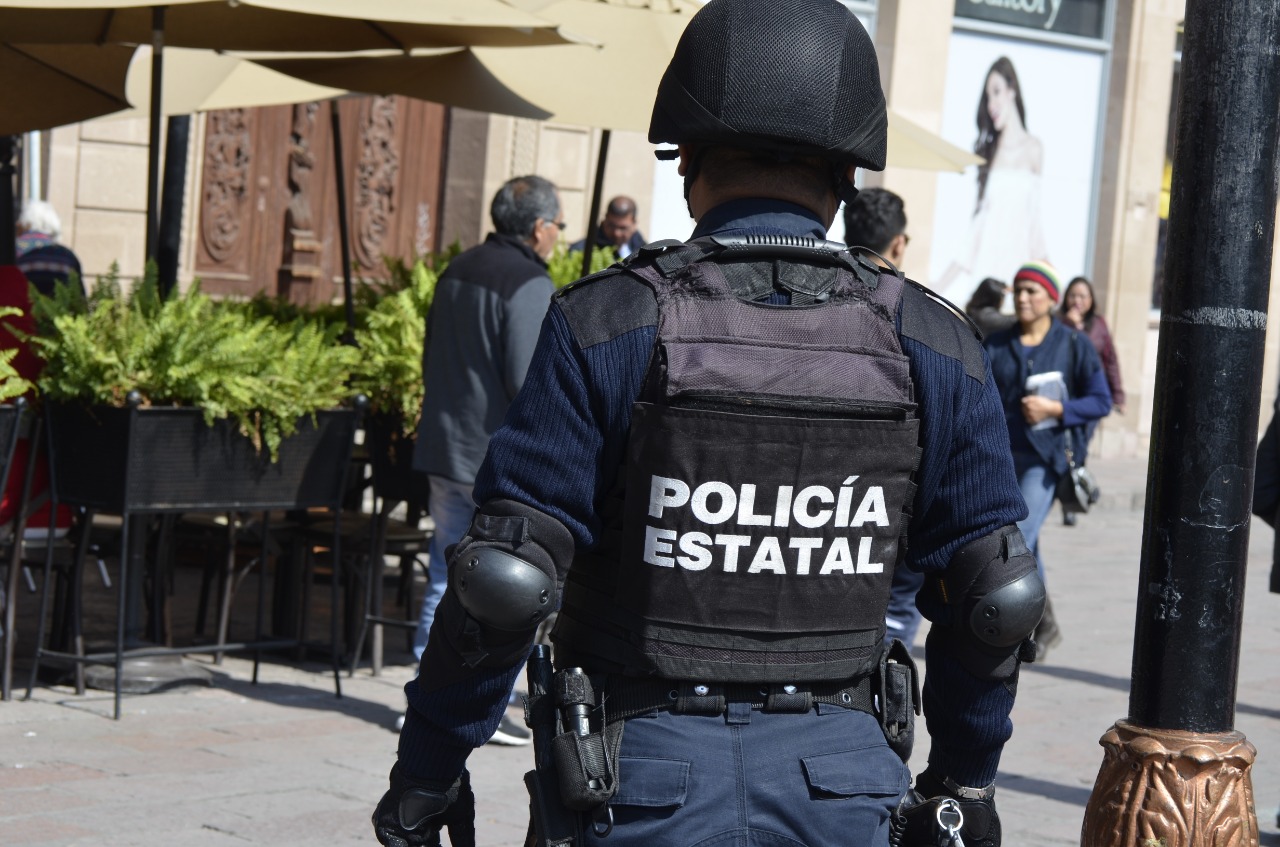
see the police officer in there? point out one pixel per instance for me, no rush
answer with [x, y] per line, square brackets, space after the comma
[719, 455]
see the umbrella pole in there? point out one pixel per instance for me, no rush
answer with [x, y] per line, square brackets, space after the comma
[344, 234]
[8, 229]
[153, 138]
[177, 137]
[596, 190]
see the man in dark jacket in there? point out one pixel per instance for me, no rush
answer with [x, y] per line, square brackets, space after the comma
[618, 231]
[716, 461]
[481, 332]
[876, 219]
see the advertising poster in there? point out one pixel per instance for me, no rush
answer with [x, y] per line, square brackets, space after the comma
[1031, 110]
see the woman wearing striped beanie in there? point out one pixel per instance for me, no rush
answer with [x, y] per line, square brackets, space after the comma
[1042, 274]
[1051, 384]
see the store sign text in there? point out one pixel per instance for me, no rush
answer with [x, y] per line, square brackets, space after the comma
[1029, 7]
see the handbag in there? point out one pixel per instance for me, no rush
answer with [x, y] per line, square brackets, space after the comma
[1077, 488]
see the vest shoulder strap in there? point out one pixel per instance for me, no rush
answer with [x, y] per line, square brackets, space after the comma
[605, 305]
[937, 324]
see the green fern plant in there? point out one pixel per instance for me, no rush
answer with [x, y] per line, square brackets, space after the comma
[389, 370]
[11, 382]
[282, 310]
[565, 265]
[190, 350]
[391, 327]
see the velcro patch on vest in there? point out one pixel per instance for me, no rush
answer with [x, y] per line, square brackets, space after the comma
[762, 523]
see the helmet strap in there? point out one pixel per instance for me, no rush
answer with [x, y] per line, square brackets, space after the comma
[845, 189]
[691, 173]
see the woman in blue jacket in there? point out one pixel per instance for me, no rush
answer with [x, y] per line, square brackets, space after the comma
[1051, 384]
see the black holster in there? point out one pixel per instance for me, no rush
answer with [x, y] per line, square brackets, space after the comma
[550, 823]
[897, 692]
[576, 753]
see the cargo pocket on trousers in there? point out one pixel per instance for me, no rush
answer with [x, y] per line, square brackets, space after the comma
[652, 783]
[866, 772]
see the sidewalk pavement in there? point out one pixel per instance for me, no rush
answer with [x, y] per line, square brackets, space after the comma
[286, 763]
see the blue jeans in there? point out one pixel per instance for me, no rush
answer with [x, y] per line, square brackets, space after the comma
[1038, 482]
[451, 507]
[757, 778]
[902, 618]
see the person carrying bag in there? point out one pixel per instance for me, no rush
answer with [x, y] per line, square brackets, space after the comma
[1077, 489]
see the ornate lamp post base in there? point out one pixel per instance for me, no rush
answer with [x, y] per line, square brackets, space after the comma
[1170, 788]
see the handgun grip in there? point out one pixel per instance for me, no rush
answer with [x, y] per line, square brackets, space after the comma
[553, 824]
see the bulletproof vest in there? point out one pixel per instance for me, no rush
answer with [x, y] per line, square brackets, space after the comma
[767, 484]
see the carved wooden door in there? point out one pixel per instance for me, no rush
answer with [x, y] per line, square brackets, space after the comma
[268, 214]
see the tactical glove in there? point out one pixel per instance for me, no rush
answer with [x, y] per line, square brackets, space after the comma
[937, 811]
[414, 811]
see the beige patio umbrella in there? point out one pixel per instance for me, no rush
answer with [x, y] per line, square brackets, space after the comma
[51, 85]
[454, 77]
[45, 86]
[204, 81]
[279, 25]
[913, 146]
[272, 25]
[610, 86]
[613, 86]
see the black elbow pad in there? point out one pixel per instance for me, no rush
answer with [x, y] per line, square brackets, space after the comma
[1004, 617]
[505, 576]
[502, 590]
[986, 604]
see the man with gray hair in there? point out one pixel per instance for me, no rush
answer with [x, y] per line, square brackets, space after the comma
[42, 259]
[484, 321]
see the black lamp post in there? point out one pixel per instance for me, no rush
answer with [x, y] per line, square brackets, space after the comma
[1179, 739]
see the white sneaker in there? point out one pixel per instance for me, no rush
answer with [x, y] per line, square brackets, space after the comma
[511, 734]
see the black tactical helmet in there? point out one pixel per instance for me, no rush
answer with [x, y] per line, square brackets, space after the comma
[785, 76]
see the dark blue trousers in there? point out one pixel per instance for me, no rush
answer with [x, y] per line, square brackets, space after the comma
[755, 779]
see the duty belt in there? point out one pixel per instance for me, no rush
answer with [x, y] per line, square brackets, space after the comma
[631, 696]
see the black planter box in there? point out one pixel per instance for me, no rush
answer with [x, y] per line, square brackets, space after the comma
[10, 424]
[167, 459]
[391, 460]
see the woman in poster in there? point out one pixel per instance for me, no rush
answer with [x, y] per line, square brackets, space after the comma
[1006, 229]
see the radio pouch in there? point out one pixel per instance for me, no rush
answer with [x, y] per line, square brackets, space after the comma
[898, 696]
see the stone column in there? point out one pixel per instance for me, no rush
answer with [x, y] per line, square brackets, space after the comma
[912, 38]
[1137, 125]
